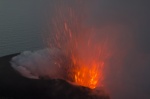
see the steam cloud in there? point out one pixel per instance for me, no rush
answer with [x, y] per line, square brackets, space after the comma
[41, 63]
[49, 63]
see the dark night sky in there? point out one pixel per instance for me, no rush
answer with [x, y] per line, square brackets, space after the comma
[131, 80]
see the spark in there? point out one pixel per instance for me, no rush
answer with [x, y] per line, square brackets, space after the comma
[75, 40]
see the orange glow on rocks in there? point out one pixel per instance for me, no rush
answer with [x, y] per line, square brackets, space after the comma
[89, 76]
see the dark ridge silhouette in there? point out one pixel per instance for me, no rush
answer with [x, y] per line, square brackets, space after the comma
[15, 86]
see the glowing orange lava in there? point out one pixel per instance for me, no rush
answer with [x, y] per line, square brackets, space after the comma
[89, 76]
[77, 41]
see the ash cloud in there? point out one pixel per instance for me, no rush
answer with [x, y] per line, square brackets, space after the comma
[127, 75]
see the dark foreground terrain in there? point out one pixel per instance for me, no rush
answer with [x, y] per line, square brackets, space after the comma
[14, 86]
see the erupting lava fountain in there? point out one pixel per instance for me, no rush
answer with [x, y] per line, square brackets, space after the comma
[79, 42]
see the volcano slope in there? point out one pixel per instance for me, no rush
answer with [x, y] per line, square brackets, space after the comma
[15, 86]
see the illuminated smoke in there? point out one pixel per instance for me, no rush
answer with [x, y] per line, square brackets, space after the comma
[74, 52]
[78, 41]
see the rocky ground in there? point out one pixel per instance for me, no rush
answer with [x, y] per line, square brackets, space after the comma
[14, 86]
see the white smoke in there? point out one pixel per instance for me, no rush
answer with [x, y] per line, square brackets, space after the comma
[37, 64]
